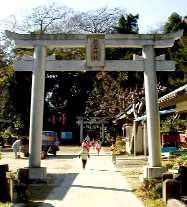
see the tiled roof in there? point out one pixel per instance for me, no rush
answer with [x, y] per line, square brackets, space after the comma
[172, 95]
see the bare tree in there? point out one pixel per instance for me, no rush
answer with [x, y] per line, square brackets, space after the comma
[96, 21]
[48, 18]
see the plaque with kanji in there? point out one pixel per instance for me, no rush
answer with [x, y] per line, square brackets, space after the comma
[95, 51]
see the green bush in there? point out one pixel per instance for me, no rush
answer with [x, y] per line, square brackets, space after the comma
[169, 164]
[120, 146]
[154, 203]
[151, 189]
[174, 164]
[157, 190]
[181, 160]
[151, 193]
[6, 205]
[173, 124]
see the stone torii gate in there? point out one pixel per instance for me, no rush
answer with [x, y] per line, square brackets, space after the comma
[92, 120]
[95, 45]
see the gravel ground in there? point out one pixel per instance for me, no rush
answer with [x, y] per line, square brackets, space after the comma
[131, 168]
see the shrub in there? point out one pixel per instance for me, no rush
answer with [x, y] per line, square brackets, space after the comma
[169, 164]
[120, 146]
[173, 124]
[181, 160]
[6, 205]
[151, 189]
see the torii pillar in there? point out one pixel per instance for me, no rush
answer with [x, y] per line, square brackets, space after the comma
[154, 169]
[37, 104]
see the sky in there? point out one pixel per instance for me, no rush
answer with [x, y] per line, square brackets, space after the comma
[152, 13]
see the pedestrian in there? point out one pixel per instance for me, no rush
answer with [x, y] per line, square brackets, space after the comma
[87, 138]
[113, 151]
[16, 147]
[86, 144]
[84, 155]
[93, 144]
[98, 146]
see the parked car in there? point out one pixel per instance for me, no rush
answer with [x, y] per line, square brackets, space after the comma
[50, 144]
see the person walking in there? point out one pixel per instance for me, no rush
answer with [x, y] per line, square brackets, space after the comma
[98, 147]
[113, 151]
[16, 147]
[86, 144]
[87, 138]
[92, 144]
[84, 155]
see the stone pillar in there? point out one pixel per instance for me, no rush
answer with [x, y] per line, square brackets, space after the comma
[103, 132]
[153, 119]
[81, 128]
[145, 138]
[171, 189]
[37, 104]
[134, 136]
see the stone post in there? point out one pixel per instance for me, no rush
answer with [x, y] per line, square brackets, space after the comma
[103, 132]
[154, 169]
[171, 189]
[81, 128]
[145, 138]
[37, 104]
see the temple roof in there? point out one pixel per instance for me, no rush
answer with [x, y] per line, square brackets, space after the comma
[174, 96]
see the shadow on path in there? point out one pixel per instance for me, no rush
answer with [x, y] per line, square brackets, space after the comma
[52, 157]
[38, 204]
[59, 183]
[102, 188]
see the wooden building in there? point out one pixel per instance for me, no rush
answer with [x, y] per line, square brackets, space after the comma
[176, 98]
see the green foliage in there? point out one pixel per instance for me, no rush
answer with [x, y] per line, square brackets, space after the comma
[127, 24]
[103, 100]
[179, 51]
[176, 163]
[173, 124]
[174, 23]
[150, 189]
[10, 121]
[8, 117]
[119, 148]
[151, 193]
[181, 160]
[6, 205]
[169, 164]
[154, 203]
[70, 53]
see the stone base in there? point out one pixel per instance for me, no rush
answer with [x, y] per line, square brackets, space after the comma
[38, 174]
[153, 172]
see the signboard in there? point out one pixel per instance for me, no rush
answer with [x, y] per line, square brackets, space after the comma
[66, 135]
[95, 52]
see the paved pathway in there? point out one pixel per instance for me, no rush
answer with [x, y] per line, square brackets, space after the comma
[98, 185]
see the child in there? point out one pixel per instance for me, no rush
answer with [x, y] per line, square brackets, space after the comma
[93, 144]
[112, 149]
[98, 147]
[84, 155]
[86, 144]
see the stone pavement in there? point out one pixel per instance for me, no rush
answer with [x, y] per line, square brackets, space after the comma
[98, 185]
